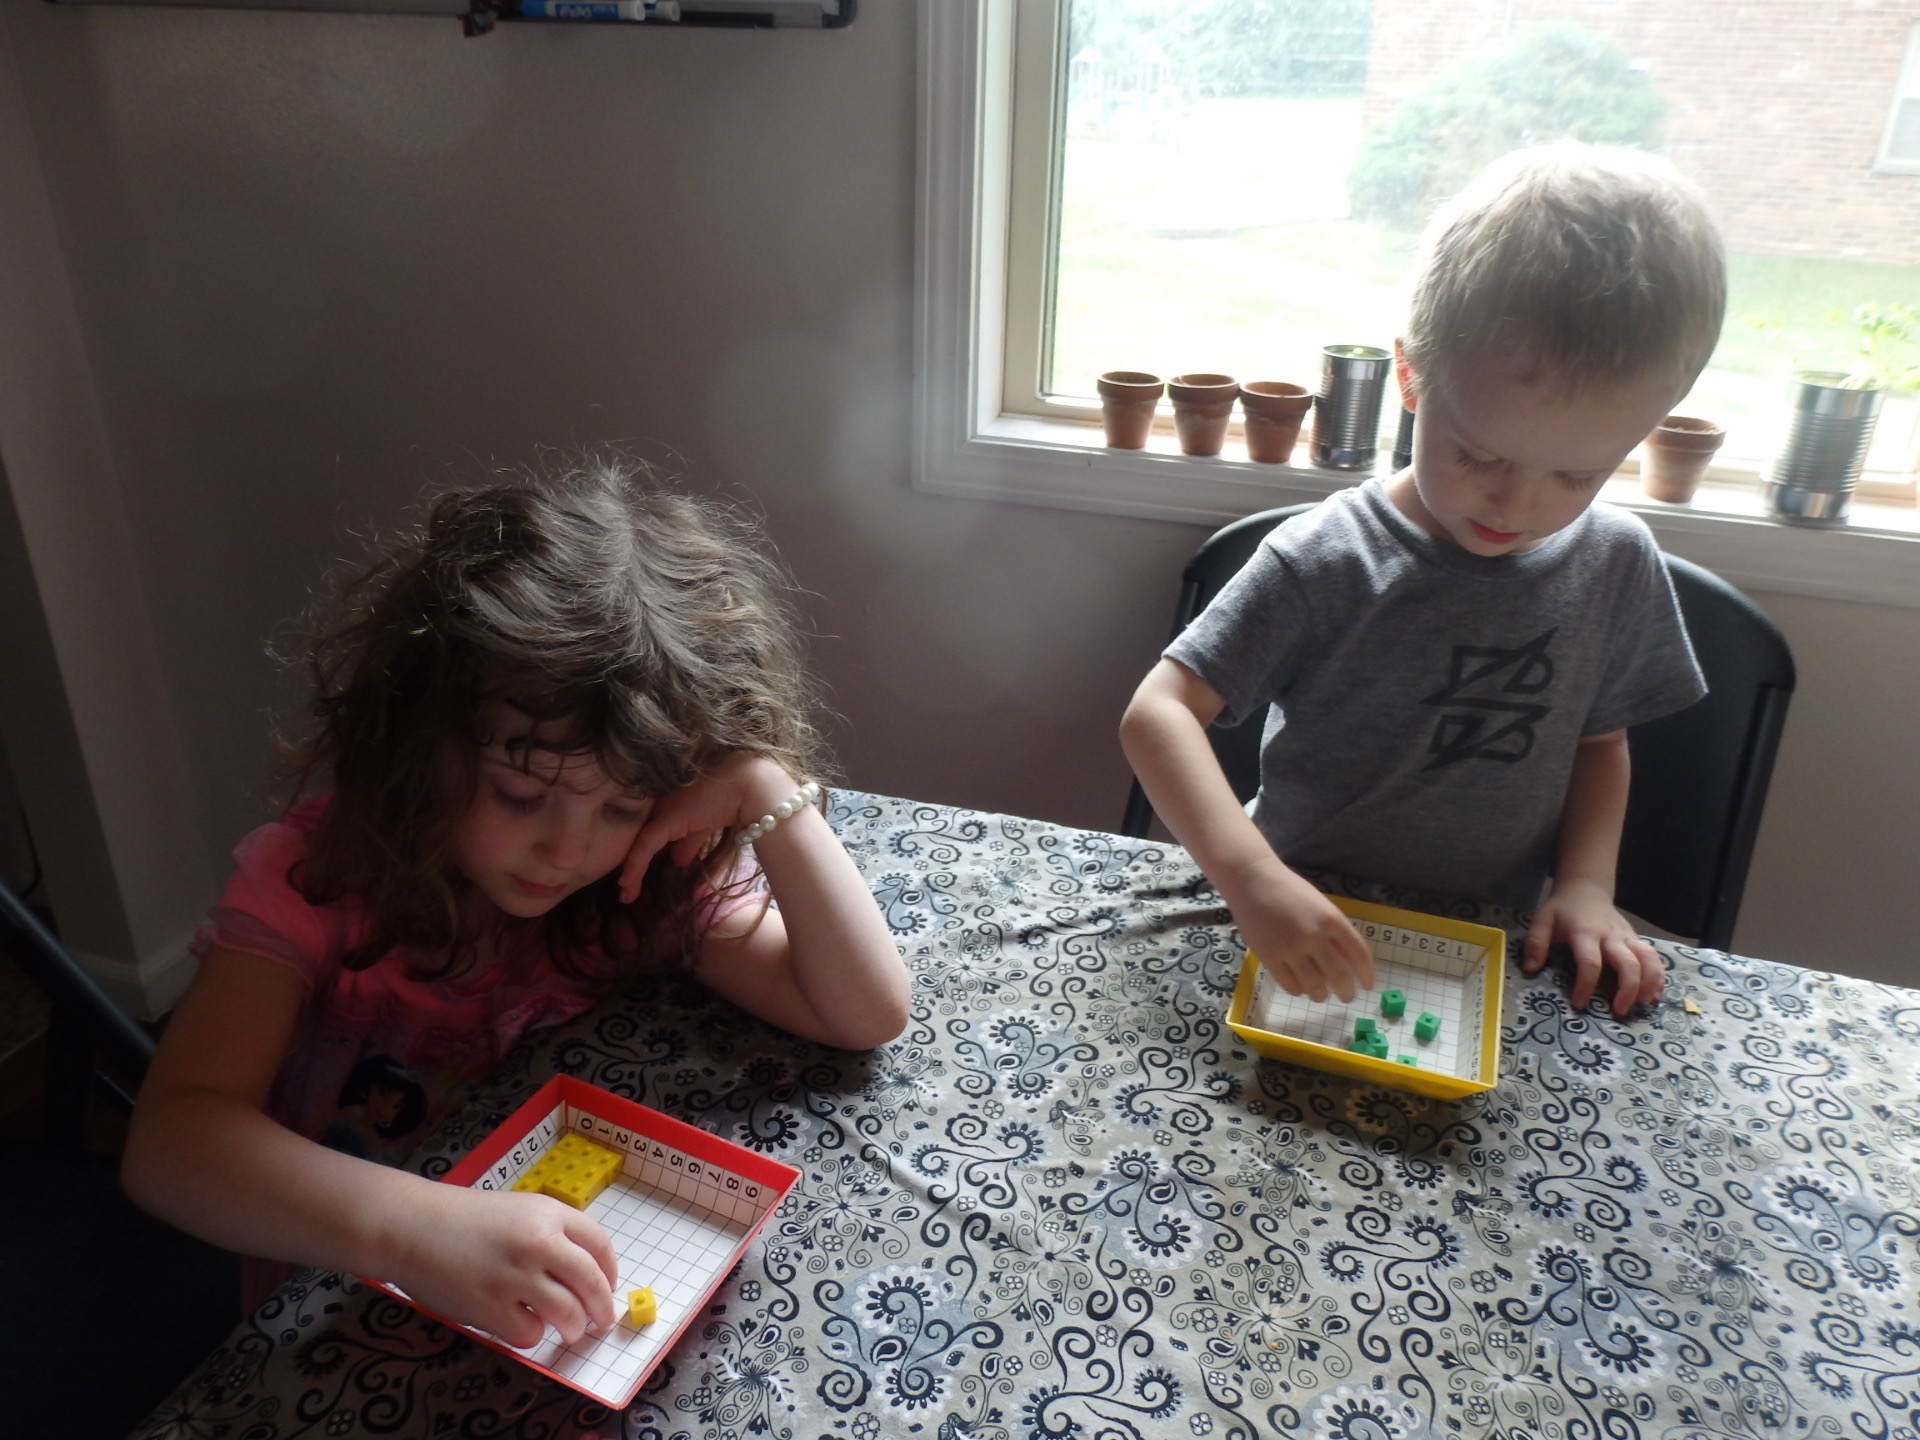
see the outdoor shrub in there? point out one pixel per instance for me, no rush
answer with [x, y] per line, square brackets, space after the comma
[1545, 82]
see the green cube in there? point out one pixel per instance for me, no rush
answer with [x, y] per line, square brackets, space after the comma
[1364, 1028]
[1427, 1026]
[1393, 1004]
[1377, 1047]
[1360, 1045]
[1408, 1060]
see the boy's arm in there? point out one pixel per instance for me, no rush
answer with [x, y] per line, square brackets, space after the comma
[1579, 908]
[1299, 935]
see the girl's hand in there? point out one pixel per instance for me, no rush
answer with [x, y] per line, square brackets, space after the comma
[507, 1262]
[732, 795]
[1581, 915]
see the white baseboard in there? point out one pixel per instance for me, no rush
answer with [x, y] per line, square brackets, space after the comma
[148, 988]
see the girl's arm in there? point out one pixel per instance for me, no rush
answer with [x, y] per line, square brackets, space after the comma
[203, 1154]
[1301, 937]
[824, 964]
[1579, 908]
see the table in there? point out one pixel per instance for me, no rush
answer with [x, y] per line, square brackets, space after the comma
[1069, 1202]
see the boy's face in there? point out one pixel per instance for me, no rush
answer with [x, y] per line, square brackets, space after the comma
[1501, 464]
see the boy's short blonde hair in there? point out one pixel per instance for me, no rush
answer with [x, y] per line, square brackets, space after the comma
[1591, 267]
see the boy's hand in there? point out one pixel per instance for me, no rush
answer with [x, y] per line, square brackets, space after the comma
[1303, 939]
[1581, 915]
[509, 1263]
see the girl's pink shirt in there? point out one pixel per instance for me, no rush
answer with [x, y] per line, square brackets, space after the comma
[378, 1058]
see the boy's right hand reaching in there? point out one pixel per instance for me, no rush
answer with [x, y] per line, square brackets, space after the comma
[508, 1263]
[1302, 938]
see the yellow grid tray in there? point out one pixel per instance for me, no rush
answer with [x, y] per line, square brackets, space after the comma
[1449, 967]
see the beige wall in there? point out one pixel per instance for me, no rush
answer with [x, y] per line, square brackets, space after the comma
[321, 262]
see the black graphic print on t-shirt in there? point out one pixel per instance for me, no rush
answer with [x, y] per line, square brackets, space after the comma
[1485, 715]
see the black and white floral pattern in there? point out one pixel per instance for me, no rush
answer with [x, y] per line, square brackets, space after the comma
[1068, 1203]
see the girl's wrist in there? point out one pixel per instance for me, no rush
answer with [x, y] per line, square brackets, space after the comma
[384, 1223]
[759, 784]
[804, 796]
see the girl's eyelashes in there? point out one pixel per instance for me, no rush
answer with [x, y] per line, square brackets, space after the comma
[616, 812]
[1473, 462]
[518, 804]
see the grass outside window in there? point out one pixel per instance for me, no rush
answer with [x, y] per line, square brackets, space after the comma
[1215, 236]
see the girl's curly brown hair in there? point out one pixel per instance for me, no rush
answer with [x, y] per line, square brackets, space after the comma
[648, 628]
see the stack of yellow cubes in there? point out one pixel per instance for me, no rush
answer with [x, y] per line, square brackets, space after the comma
[574, 1170]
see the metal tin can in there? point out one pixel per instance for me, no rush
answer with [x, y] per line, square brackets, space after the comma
[1346, 412]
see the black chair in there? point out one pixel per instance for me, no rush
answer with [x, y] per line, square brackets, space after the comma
[1700, 776]
[93, 1046]
[73, 1249]
[1218, 560]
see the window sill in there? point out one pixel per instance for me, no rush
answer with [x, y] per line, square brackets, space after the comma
[1873, 559]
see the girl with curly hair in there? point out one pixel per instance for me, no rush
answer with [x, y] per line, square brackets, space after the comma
[563, 737]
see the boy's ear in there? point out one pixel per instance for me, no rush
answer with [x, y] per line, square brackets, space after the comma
[1403, 372]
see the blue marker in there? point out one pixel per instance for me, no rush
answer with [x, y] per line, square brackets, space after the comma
[599, 10]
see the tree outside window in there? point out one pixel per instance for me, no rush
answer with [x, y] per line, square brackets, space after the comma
[1240, 182]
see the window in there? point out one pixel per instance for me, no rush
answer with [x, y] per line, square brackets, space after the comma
[1045, 159]
[1900, 150]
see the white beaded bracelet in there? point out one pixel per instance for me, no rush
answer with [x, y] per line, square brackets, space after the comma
[808, 795]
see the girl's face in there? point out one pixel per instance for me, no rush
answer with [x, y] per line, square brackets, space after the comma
[538, 831]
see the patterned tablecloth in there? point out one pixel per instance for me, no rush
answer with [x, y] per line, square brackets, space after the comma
[1069, 1202]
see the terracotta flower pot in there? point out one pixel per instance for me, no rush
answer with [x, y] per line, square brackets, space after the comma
[1127, 401]
[1202, 405]
[1274, 412]
[1676, 455]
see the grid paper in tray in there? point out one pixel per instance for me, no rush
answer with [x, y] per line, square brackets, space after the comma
[680, 1214]
[1448, 967]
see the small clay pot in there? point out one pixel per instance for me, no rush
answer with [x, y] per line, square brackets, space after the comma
[1127, 401]
[1274, 412]
[1676, 456]
[1202, 405]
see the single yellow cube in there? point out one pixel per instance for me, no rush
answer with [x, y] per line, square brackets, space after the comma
[642, 1308]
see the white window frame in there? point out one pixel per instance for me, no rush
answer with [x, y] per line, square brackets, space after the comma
[969, 443]
[1906, 91]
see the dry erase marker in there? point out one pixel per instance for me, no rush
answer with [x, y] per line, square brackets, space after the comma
[599, 10]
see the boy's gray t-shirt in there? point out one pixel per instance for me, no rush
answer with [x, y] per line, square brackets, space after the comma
[1426, 701]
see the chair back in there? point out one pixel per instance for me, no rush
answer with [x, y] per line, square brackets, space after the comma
[90, 1039]
[1700, 776]
[1219, 558]
[72, 1235]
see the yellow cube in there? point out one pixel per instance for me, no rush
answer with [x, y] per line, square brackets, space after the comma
[574, 1170]
[642, 1308]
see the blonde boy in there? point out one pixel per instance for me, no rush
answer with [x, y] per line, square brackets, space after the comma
[1453, 656]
